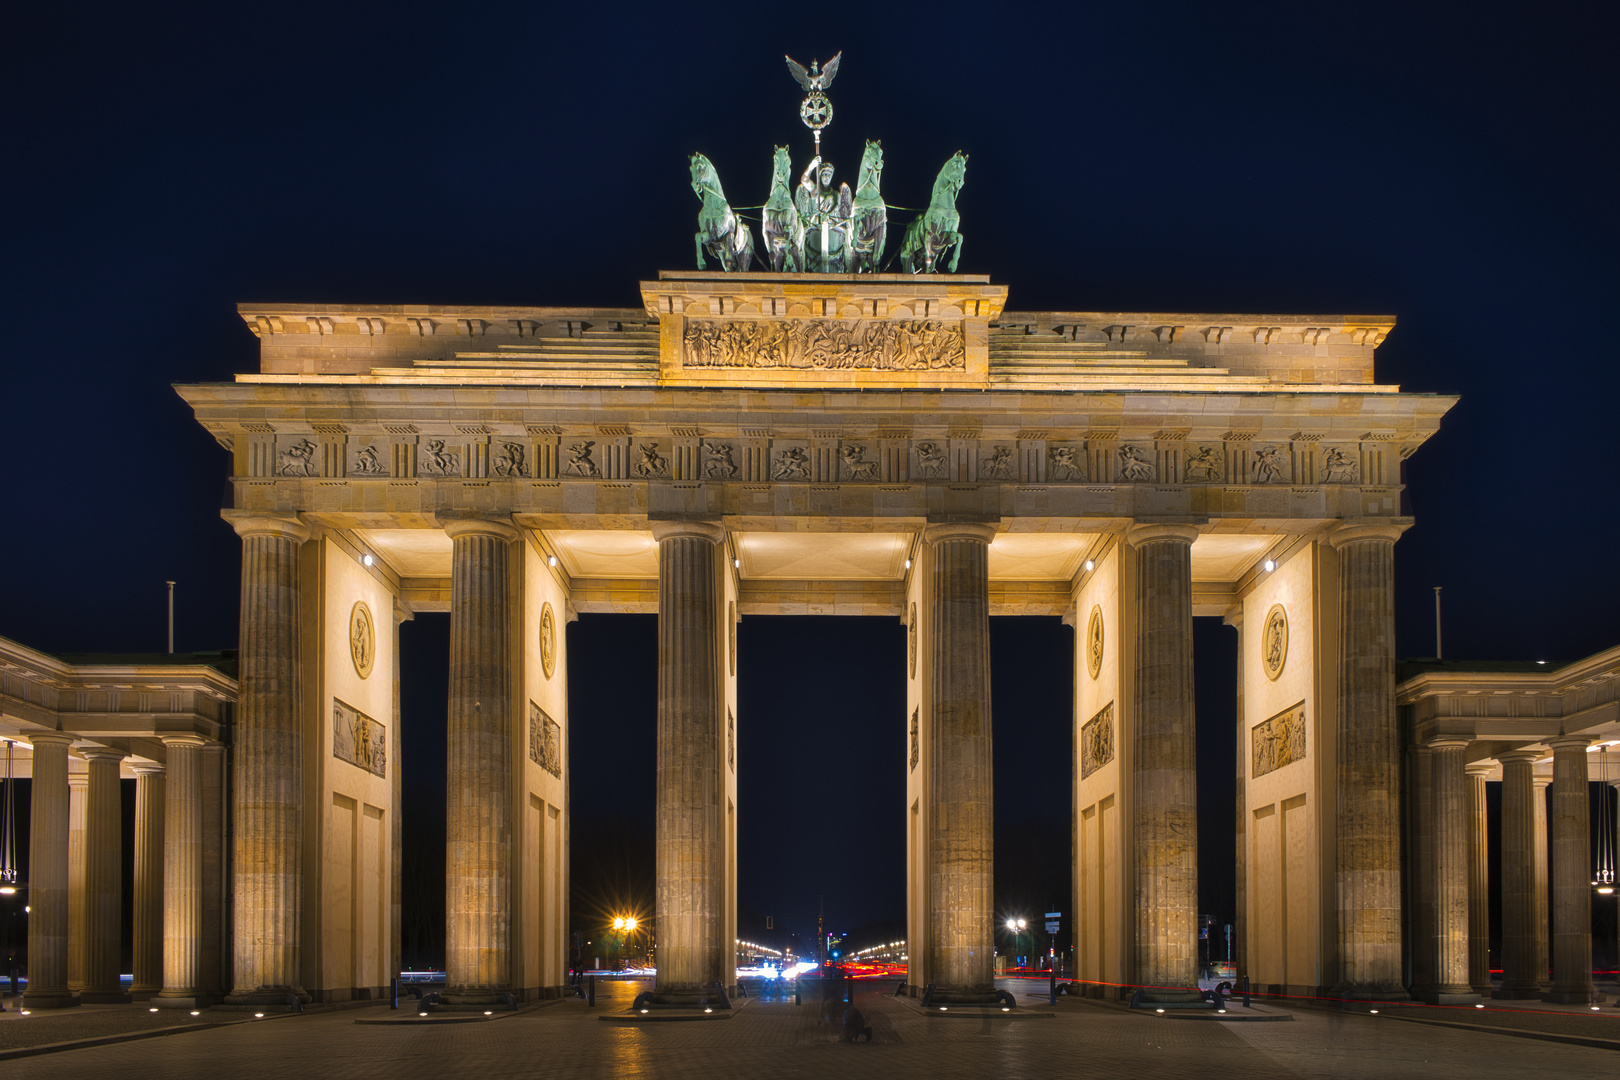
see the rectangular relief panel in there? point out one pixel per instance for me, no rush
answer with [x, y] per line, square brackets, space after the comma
[1277, 741]
[545, 741]
[358, 739]
[1097, 741]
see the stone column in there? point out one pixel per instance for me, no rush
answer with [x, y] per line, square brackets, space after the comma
[78, 792]
[1479, 893]
[48, 875]
[1521, 978]
[691, 841]
[1367, 830]
[214, 951]
[1571, 873]
[478, 859]
[961, 919]
[1420, 890]
[182, 875]
[1164, 804]
[1450, 836]
[396, 834]
[267, 795]
[148, 924]
[1543, 915]
[1240, 921]
[103, 879]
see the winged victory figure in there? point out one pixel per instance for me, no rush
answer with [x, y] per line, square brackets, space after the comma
[812, 80]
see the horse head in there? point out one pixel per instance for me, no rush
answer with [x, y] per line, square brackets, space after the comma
[705, 180]
[781, 169]
[872, 164]
[952, 176]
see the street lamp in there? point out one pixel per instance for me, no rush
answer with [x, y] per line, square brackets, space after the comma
[1017, 927]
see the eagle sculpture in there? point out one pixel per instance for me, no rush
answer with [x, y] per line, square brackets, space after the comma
[812, 80]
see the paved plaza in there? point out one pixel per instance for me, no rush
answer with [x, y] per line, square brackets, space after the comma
[778, 1039]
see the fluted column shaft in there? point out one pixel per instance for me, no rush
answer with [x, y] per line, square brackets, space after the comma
[103, 879]
[1450, 839]
[212, 955]
[1240, 921]
[1367, 829]
[961, 921]
[48, 875]
[1571, 873]
[78, 792]
[1521, 978]
[478, 889]
[1421, 781]
[1542, 866]
[1479, 894]
[691, 845]
[147, 935]
[268, 762]
[182, 873]
[1164, 760]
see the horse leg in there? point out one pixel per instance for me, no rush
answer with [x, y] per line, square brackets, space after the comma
[956, 251]
[699, 238]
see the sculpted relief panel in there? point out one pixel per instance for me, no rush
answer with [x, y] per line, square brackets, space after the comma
[358, 739]
[545, 741]
[830, 344]
[1278, 741]
[1097, 741]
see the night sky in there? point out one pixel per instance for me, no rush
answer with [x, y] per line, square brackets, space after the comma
[1452, 165]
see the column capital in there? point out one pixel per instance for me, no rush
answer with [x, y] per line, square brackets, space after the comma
[1527, 756]
[252, 523]
[146, 768]
[49, 738]
[1355, 532]
[1541, 780]
[1479, 768]
[1576, 741]
[1448, 742]
[711, 531]
[184, 740]
[101, 753]
[499, 527]
[1137, 535]
[941, 531]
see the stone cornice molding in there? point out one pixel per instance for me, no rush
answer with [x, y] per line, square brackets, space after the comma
[496, 526]
[703, 530]
[249, 523]
[1137, 535]
[1357, 532]
[940, 532]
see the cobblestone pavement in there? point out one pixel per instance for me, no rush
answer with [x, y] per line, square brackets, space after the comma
[88, 1022]
[771, 1039]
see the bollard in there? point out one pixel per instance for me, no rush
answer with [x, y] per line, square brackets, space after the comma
[590, 992]
[795, 991]
[393, 993]
[1245, 991]
[1051, 989]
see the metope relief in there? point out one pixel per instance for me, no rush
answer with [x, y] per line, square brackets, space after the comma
[651, 463]
[298, 460]
[916, 737]
[1206, 465]
[1065, 463]
[1270, 466]
[435, 460]
[826, 344]
[367, 462]
[358, 739]
[1339, 467]
[791, 463]
[1278, 741]
[545, 741]
[718, 463]
[1097, 741]
[855, 465]
[1134, 464]
[999, 464]
[548, 640]
[362, 639]
[511, 461]
[1274, 642]
[933, 461]
[1094, 641]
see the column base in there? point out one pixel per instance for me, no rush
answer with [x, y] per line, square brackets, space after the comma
[1372, 993]
[1450, 996]
[1568, 996]
[689, 997]
[964, 995]
[479, 999]
[104, 997]
[181, 1001]
[45, 999]
[1531, 992]
[141, 993]
[270, 999]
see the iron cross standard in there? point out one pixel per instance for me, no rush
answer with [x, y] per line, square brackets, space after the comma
[816, 111]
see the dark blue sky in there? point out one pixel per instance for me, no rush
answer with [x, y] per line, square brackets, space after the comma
[1451, 164]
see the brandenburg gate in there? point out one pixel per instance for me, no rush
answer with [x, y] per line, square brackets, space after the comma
[813, 443]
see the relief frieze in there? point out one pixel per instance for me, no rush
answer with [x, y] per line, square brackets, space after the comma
[1208, 464]
[1097, 741]
[1065, 463]
[1278, 741]
[826, 344]
[545, 741]
[358, 739]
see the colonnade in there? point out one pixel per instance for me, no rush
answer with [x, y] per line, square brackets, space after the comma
[75, 938]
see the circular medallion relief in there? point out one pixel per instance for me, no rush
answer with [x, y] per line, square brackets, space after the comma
[911, 642]
[362, 639]
[1094, 641]
[1274, 644]
[731, 630]
[548, 640]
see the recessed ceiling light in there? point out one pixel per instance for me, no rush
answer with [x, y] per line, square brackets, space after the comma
[1270, 565]
[1090, 566]
[551, 560]
[365, 560]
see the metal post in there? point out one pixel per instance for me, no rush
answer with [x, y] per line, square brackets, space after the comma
[590, 992]
[1245, 991]
[1052, 968]
[393, 993]
[1437, 653]
[170, 584]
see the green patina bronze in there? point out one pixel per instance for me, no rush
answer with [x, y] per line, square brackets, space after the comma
[783, 229]
[928, 238]
[726, 237]
[869, 228]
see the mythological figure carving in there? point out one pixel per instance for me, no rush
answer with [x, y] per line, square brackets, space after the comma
[719, 466]
[367, 463]
[545, 741]
[1338, 467]
[1278, 741]
[826, 215]
[825, 344]
[1133, 466]
[580, 462]
[1268, 466]
[548, 640]
[1205, 465]
[1097, 741]
[652, 463]
[731, 740]
[782, 227]
[916, 738]
[299, 460]
[856, 467]
[1094, 641]
[931, 461]
[1062, 463]
[792, 463]
[358, 739]
[510, 461]
[1000, 465]
[437, 461]
[1275, 642]
[720, 232]
[937, 231]
[362, 639]
[869, 224]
